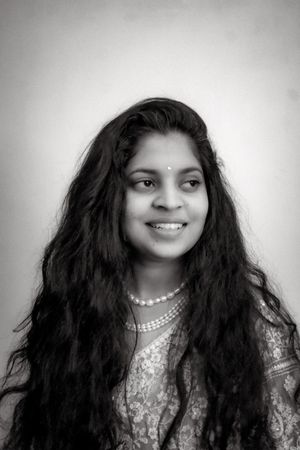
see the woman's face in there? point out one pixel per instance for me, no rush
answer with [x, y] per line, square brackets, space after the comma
[166, 198]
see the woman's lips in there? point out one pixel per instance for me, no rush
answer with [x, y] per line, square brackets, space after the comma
[167, 230]
[170, 226]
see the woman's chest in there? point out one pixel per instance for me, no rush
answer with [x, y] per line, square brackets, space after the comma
[149, 400]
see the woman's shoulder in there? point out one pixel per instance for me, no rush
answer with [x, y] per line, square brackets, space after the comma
[279, 345]
[278, 338]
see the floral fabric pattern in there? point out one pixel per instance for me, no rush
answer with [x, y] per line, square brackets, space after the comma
[149, 401]
[282, 380]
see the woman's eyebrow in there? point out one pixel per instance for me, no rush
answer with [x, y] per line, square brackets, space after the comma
[155, 172]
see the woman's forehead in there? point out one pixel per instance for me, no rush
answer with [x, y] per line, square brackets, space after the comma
[174, 151]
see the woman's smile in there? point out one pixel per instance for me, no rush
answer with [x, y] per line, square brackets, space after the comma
[167, 230]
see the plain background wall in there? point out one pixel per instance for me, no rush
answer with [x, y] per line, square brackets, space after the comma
[68, 66]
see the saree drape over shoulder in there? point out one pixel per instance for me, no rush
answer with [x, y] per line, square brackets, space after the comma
[150, 401]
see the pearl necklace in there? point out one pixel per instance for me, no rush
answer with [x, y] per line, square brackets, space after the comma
[155, 301]
[161, 321]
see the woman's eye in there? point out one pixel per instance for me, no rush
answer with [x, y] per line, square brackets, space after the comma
[191, 185]
[144, 185]
[147, 183]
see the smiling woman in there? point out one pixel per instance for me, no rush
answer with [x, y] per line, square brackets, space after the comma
[166, 198]
[152, 328]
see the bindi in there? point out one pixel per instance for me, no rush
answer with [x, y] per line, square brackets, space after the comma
[169, 168]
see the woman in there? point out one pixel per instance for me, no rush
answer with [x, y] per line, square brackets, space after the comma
[152, 328]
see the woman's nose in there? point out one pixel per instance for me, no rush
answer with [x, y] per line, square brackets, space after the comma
[168, 197]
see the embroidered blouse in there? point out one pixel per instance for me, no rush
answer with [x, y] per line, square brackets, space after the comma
[150, 402]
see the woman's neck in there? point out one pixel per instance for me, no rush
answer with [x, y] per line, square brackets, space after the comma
[153, 279]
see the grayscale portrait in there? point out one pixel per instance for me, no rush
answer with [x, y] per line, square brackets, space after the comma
[150, 225]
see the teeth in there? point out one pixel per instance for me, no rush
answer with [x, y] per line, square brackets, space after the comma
[167, 226]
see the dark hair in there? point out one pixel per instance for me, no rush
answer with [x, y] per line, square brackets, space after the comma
[72, 352]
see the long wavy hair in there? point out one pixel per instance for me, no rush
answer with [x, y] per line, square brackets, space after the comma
[72, 352]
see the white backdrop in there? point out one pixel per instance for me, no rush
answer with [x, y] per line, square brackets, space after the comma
[68, 66]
